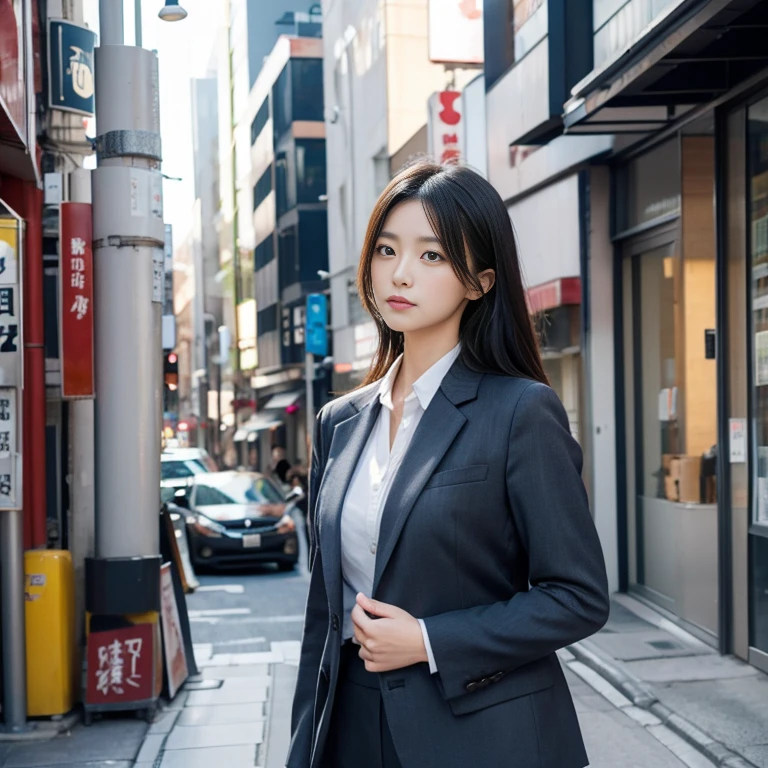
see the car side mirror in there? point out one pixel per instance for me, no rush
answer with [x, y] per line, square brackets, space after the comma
[295, 494]
[180, 498]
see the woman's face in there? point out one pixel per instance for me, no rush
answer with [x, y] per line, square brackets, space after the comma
[414, 284]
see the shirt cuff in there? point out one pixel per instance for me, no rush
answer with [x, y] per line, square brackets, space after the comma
[430, 656]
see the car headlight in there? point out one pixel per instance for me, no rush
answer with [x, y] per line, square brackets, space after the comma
[205, 526]
[285, 524]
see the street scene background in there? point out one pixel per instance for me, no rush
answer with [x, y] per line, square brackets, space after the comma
[184, 195]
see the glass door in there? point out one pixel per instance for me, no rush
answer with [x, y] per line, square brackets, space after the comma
[757, 233]
[671, 427]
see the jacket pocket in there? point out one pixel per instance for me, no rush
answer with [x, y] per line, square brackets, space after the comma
[532, 677]
[472, 474]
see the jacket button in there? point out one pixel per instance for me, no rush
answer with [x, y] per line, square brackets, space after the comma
[495, 678]
[334, 622]
[483, 682]
[471, 687]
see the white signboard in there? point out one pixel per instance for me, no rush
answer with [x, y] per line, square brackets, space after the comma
[737, 429]
[456, 31]
[10, 497]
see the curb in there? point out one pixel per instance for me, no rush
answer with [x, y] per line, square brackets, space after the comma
[643, 697]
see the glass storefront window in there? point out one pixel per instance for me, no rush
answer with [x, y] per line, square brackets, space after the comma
[758, 226]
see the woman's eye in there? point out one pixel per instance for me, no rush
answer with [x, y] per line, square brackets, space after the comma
[386, 250]
[432, 257]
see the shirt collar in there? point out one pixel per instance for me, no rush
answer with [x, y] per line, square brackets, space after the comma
[425, 388]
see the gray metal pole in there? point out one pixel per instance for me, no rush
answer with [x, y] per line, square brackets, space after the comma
[309, 376]
[83, 501]
[137, 18]
[13, 630]
[110, 22]
[128, 242]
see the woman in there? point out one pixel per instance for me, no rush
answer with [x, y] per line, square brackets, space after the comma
[453, 547]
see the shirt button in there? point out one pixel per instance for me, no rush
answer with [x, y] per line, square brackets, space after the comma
[373, 549]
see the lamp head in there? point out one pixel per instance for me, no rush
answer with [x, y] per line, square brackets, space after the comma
[172, 11]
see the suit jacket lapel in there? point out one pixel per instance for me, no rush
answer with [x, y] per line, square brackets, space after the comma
[436, 431]
[347, 444]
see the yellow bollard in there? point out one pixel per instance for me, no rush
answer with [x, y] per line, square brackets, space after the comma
[50, 618]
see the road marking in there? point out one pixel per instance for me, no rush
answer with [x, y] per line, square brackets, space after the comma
[244, 641]
[230, 589]
[219, 612]
[297, 619]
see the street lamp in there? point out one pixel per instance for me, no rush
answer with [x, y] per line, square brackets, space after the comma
[172, 11]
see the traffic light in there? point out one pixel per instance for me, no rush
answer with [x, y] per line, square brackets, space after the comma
[171, 370]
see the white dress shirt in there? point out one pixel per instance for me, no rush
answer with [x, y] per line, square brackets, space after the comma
[371, 482]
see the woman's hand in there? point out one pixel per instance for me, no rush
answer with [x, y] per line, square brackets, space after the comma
[393, 640]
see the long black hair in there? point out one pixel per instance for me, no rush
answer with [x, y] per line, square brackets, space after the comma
[467, 215]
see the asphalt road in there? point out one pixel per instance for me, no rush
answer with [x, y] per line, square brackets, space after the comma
[244, 611]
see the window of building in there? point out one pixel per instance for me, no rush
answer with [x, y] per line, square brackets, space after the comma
[262, 188]
[307, 87]
[288, 267]
[310, 170]
[283, 201]
[281, 103]
[266, 320]
[313, 244]
[262, 116]
[264, 253]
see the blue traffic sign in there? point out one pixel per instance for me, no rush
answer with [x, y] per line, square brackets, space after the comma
[70, 67]
[316, 331]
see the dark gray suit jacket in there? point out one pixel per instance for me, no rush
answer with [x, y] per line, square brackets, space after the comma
[488, 537]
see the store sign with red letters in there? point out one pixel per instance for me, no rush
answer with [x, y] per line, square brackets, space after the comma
[76, 301]
[120, 665]
[446, 127]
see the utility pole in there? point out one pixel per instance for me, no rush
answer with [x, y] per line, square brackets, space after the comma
[128, 243]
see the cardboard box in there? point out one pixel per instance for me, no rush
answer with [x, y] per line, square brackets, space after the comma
[686, 473]
[670, 488]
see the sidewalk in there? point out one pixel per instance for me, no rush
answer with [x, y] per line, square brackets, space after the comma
[234, 713]
[718, 705]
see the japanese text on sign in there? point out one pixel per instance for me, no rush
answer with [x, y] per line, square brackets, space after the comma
[76, 305]
[118, 666]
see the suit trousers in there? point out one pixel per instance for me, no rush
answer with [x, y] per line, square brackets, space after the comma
[359, 736]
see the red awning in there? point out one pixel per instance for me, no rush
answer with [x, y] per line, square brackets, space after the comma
[556, 293]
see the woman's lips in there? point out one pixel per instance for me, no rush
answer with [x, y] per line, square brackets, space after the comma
[399, 303]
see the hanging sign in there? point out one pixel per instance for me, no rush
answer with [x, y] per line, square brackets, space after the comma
[70, 67]
[316, 331]
[11, 364]
[445, 127]
[76, 301]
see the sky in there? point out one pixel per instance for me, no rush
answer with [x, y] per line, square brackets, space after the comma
[184, 51]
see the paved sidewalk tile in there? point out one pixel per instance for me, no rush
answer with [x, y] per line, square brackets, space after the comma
[227, 714]
[151, 747]
[165, 722]
[215, 736]
[227, 696]
[227, 757]
[222, 673]
[109, 740]
[231, 683]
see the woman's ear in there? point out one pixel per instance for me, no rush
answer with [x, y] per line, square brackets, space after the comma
[487, 279]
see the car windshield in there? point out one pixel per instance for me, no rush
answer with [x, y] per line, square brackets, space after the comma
[242, 489]
[178, 470]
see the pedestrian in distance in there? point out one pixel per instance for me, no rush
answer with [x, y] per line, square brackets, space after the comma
[453, 550]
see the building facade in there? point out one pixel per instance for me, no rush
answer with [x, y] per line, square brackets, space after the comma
[378, 77]
[288, 174]
[250, 31]
[643, 134]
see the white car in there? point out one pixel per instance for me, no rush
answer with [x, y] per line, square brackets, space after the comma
[179, 465]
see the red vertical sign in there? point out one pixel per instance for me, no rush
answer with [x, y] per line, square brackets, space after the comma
[76, 301]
